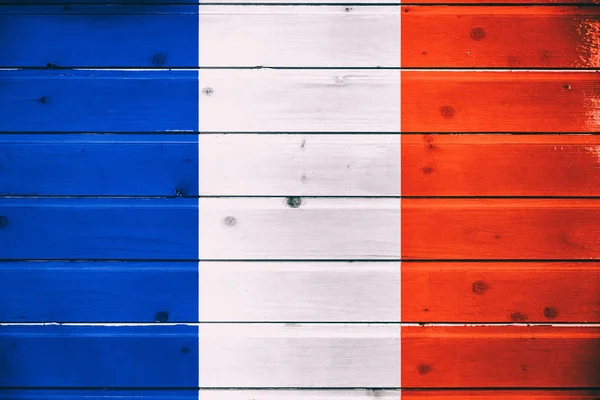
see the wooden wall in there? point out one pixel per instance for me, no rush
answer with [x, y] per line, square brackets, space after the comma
[290, 200]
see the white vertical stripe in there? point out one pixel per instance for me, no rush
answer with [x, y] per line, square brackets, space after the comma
[400, 219]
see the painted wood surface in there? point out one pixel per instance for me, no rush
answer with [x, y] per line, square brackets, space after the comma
[500, 101]
[305, 165]
[456, 292]
[294, 394]
[83, 291]
[105, 229]
[71, 3]
[369, 356]
[98, 101]
[99, 165]
[503, 37]
[322, 228]
[500, 165]
[99, 356]
[148, 36]
[299, 228]
[479, 229]
[127, 35]
[324, 36]
[300, 101]
[479, 292]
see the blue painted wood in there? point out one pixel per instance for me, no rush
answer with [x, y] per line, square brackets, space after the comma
[98, 291]
[97, 394]
[99, 36]
[99, 165]
[99, 356]
[75, 228]
[98, 101]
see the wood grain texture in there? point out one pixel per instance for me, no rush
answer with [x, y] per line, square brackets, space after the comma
[319, 165]
[304, 2]
[300, 101]
[99, 165]
[324, 36]
[503, 37]
[478, 292]
[104, 229]
[217, 36]
[500, 165]
[478, 229]
[541, 356]
[294, 394]
[98, 101]
[500, 101]
[126, 35]
[315, 229]
[299, 292]
[85, 291]
[263, 100]
[99, 356]
[311, 356]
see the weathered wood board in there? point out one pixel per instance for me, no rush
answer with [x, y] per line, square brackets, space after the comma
[305, 356]
[302, 36]
[304, 165]
[300, 291]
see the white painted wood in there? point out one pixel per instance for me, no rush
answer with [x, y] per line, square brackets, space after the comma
[292, 2]
[301, 36]
[266, 100]
[299, 291]
[319, 229]
[292, 355]
[307, 394]
[306, 164]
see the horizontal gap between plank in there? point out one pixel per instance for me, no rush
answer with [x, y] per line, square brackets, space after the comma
[302, 323]
[308, 68]
[378, 4]
[284, 388]
[282, 196]
[390, 260]
[196, 133]
[575, 324]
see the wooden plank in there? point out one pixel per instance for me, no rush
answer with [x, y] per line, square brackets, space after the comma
[499, 356]
[303, 165]
[500, 165]
[500, 101]
[300, 101]
[128, 35]
[299, 228]
[478, 229]
[99, 165]
[99, 356]
[99, 101]
[396, 394]
[292, 355]
[147, 36]
[71, 3]
[500, 292]
[496, 36]
[294, 394]
[266, 100]
[318, 165]
[99, 291]
[75, 228]
[370, 356]
[324, 36]
[299, 292]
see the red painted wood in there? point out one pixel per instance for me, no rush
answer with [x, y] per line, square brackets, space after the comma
[500, 101]
[500, 394]
[500, 356]
[500, 165]
[543, 292]
[501, 36]
[510, 229]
